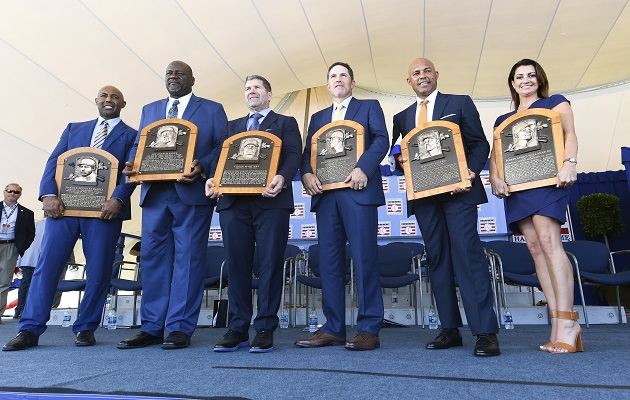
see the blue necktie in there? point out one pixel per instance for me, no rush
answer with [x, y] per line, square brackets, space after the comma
[255, 123]
[172, 113]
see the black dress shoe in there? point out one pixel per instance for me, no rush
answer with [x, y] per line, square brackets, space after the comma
[263, 342]
[22, 341]
[176, 340]
[448, 337]
[85, 338]
[141, 339]
[232, 341]
[487, 345]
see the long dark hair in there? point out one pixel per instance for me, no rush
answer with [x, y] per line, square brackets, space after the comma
[543, 82]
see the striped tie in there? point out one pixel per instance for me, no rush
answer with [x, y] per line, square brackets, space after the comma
[101, 135]
[172, 112]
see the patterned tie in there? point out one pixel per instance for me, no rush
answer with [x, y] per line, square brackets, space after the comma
[255, 123]
[337, 116]
[101, 135]
[422, 115]
[172, 113]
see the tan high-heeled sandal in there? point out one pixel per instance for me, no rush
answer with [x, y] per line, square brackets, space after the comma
[549, 344]
[573, 316]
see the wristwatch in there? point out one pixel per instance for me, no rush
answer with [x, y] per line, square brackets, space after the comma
[571, 160]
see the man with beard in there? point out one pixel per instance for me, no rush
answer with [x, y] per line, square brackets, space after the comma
[176, 220]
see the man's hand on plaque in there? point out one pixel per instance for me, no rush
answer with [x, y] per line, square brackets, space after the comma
[129, 171]
[211, 191]
[357, 178]
[53, 206]
[462, 189]
[311, 183]
[276, 185]
[196, 169]
[110, 209]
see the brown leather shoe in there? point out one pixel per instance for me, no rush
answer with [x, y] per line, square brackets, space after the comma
[320, 339]
[364, 341]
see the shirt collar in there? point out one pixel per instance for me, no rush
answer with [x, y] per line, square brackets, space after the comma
[261, 112]
[111, 123]
[430, 97]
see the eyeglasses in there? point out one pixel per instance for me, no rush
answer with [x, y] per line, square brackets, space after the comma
[13, 191]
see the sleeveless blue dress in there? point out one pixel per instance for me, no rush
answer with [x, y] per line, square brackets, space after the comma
[549, 201]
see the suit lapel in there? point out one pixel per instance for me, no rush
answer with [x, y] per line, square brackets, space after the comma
[86, 139]
[114, 134]
[353, 107]
[438, 109]
[192, 106]
[410, 118]
[268, 121]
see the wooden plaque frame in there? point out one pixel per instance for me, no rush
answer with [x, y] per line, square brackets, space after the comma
[102, 187]
[186, 137]
[441, 130]
[354, 133]
[229, 161]
[503, 141]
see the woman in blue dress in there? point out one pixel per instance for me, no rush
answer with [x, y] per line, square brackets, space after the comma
[538, 213]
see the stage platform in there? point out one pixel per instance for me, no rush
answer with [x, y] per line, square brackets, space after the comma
[402, 368]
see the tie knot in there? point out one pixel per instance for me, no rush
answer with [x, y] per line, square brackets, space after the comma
[176, 102]
[256, 116]
[425, 102]
[104, 123]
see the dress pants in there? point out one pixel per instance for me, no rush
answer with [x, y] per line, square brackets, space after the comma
[454, 251]
[246, 227]
[174, 241]
[8, 259]
[341, 219]
[99, 240]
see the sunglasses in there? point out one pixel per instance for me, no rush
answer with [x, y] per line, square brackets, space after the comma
[13, 191]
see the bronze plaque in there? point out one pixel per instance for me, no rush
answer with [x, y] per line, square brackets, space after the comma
[335, 150]
[86, 178]
[528, 149]
[248, 162]
[165, 150]
[436, 161]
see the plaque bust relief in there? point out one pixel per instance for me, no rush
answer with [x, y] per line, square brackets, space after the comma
[85, 171]
[165, 138]
[249, 149]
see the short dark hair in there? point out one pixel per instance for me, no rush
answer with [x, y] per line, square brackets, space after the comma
[265, 82]
[543, 82]
[343, 64]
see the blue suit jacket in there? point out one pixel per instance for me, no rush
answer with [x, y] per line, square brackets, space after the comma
[369, 114]
[460, 110]
[79, 134]
[286, 128]
[211, 121]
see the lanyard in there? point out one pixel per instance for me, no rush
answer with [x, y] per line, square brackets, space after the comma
[4, 211]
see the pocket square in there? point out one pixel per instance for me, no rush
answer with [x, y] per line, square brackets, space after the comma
[446, 116]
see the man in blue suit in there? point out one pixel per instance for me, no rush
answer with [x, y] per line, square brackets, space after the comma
[176, 220]
[99, 235]
[349, 214]
[259, 225]
[448, 222]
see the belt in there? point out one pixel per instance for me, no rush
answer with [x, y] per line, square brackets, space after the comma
[7, 241]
